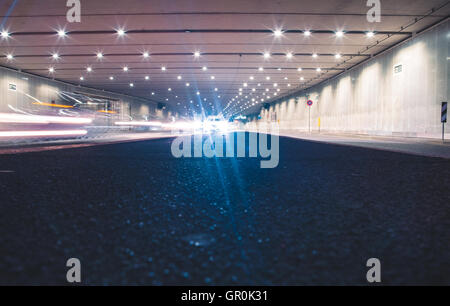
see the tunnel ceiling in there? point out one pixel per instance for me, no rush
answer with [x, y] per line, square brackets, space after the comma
[231, 37]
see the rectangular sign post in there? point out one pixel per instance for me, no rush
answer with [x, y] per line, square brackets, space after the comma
[443, 119]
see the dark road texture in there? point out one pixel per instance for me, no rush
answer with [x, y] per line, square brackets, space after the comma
[133, 214]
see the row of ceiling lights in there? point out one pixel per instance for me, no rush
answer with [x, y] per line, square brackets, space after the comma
[121, 32]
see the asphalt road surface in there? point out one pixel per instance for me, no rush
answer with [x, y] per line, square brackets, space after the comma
[134, 214]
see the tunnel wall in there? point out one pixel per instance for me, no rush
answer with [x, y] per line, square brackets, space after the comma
[371, 98]
[45, 90]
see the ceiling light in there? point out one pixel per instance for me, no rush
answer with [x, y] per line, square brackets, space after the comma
[145, 54]
[267, 78]
[55, 56]
[251, 78]
[170, 89]
[299, 69]
[197, 54]
[289, 55]
[275, 84]
[204, 68]
[153, 93]
[147, 77]
[9, 56]
[307, 33]
[5, 34]
[120, 32]
[179, 77]
[245, 84]
[215, 89]
[51, 69]
[187, 84]
[213, 77]
[302, 78]
[370, 34]
[62, 33]
[277, 33]
[337, 56]
[198, 93]
[261, 69]
[314, 55]
[99, 55]
[125, 68]
[89, 69]
[131, 85]
[81, 78]
[339, 33]
[266, 55]
[318, 70]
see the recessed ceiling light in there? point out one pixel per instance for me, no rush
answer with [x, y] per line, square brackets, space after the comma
[339, 33]
[370, 34]
[153, 93]
[179, 77]
[81, 78]
[266, 55]
[89, 69]
[170, 89]
[267, 78]
[251, 78]
[337, 56]
[187, 84]
[5, 34]
[125, 68]
[277, 33]
[299, 69]
[275, 84]
[289, 55]
[260, 69]
[318, 70]
[55, 56]
[9, 56]
[131, 85]
[198, 93]
[147, 77]
[62, 33]
[302, 78]
[163, 68]
[197, 54]
[215, 89]
[120, 32]
[99, 55]
[213, 77]
[111, 78]
[307, 33]
[204, 68]
[51, 69]
[145, 54]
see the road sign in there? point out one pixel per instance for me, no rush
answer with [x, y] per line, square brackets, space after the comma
[443, 119]
[444, 112]
[309, 102]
